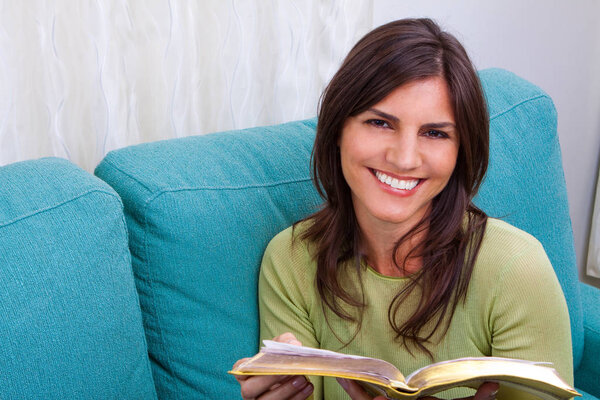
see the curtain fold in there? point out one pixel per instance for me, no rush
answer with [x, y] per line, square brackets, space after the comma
[82, 78]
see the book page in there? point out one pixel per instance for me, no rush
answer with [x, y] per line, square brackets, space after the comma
[288, 359]
[287, 348]
[473, 371]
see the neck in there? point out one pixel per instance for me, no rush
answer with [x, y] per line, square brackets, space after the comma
[378, 247]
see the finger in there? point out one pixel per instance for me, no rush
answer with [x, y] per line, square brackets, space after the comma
[304, 394]
[487, 391]
[254, 386]
[354, 390]
[287, 337]
[240, 361]
[297, 387]
[240, 378]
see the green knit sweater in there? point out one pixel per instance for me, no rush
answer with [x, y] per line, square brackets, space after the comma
[514, 308]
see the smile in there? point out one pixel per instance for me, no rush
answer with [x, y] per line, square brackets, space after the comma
[396, 183]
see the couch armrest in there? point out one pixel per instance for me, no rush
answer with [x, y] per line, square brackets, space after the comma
[586, 375]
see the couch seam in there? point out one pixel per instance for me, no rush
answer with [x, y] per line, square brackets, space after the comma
[43, 210]
[145, 354]
[249, 186]
[590, 329]
[512, 107]
[148, 367]
[229, 188]
[154, 304]
[128, 175]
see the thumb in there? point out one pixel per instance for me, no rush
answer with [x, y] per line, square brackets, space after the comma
[487, 391]
[287, 337]
[354, 390]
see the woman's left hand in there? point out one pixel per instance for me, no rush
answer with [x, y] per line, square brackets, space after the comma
[487, 391]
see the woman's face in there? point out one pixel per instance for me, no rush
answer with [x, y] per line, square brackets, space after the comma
[400, 153]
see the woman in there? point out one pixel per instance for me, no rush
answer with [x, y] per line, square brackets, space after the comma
[399, 264]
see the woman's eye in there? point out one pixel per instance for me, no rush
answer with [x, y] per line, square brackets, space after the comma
[436, 134]
[378, 123]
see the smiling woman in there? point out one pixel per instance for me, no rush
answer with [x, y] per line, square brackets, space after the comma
[395, 164]
[405, 82]
[398, 263]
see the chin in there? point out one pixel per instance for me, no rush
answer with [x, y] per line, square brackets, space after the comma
[396, 219]
[392, 216]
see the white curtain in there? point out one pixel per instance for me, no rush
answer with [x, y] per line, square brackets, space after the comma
[593, 260]
[80, 78]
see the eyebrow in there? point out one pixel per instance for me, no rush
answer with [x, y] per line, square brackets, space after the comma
[384, 115]
[431, 125]
[439, 125]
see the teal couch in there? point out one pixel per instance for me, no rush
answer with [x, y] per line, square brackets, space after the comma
[140, 282]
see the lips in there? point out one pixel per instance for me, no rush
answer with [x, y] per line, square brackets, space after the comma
[402, 184]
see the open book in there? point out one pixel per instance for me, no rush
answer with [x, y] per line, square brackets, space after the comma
[382, 378]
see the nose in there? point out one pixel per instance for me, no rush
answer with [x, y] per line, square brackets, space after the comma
[404, 153]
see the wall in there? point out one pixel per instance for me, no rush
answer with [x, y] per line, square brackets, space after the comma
[554, 44]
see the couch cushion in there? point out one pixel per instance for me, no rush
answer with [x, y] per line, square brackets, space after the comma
[201, 210]
[525, 183]
[71, 324]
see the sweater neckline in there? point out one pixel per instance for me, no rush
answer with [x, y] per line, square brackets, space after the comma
[381, 276]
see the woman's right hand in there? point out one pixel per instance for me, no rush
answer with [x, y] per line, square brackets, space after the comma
[275, 387]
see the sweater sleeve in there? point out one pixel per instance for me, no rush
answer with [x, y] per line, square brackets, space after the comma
[529, 318]
[286, 294]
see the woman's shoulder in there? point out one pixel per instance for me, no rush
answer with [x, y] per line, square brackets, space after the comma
[511, 260]
[290, 249]
[289, 238]
[508, 238]
[505, 247]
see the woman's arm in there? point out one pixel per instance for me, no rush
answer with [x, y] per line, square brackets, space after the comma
[286, 294]
[529, 319]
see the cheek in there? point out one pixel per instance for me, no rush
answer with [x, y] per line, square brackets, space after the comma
[346, 163]
[351, 152]
[445, 162]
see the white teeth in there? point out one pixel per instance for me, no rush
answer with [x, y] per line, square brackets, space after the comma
[396, 183]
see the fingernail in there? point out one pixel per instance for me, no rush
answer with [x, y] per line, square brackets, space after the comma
[298, 381]
[343, 382]
[308, 389]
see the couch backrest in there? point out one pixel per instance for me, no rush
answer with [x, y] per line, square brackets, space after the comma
[71, 325]
[525, 183]
[201, 210]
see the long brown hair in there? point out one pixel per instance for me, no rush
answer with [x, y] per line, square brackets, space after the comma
[386, 58]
